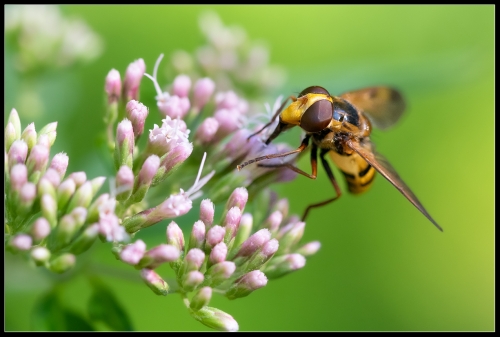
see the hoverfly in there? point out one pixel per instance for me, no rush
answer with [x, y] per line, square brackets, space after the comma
[341, 126]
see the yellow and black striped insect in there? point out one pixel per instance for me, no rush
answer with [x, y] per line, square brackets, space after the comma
[341, 127]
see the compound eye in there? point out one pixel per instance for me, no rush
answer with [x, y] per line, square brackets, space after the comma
[317, 116]
[314, 90]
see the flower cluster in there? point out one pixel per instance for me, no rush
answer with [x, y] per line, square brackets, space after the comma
[49, 215]
[233, 256]
[44, 38]
[52, 217]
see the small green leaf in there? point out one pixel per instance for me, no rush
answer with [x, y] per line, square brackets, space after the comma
[50, 314]
[104, 307]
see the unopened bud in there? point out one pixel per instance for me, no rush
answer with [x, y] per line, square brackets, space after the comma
[215, 319]
[247, 284]
[40, 229]
[284, 264]
[20, 242]
[201, 298]
[62, 263]
[203, 90]
[16, 122]
[175, 237]
[207, 210]
[197, 238]
[181, 85]
[29, 135]
[309, 248]
[137, 113]
[113, 86]
[17, 153]
[155, 282]
[207, 130]
[40, 255]
[192, 280]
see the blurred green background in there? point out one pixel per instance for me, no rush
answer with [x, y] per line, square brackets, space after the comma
[382, 265]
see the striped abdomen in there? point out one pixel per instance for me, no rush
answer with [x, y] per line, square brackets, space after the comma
[358, 173]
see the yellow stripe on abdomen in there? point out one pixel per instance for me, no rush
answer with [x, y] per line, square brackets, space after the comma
[357, 172]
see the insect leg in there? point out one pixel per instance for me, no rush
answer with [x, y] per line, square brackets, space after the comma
[314, 164]
[332, 180]
[276, 114]
[301, 148]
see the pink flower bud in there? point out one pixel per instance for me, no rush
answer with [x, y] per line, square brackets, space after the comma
[174, 107]
[254, 242]
[309, 248]
[40, 229]
[226, 100]
[231, 223]
[207, 210]
[253, 280]
[215, 235]
[60, 163]
[133, 76]
[177, 156]
[270, 247]
[239, 145]
[53, 177]
[247, 284]
[21, 242]
[201, 298]
[273, 221]
[220, 272]
[218, 253]
[154, 282]
[17, 153]
[229, 121]
[296, 261]
[124, 179]
[203, 90]
[113, 86]
[125, 132]
[238, 198]
[44, 140]
[161, 254]
[148, 170]
[28, 193]
[207, 130]
[133, 253]
[216, 319]
[137, 113]
[175, 237]
[181, 85]
[194, 259]
[18, 176]
[37, 159]
[192, 280]
[78, 177]
[197, 235]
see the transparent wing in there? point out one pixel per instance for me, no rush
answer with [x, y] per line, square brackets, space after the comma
[366, 150]
[382, 105]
